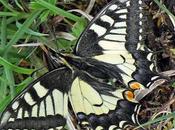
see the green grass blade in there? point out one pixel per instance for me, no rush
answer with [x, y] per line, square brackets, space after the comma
[163, 7]
[19, 88]
[3, 86]
[15, 68]
[11, 81]
[171, 115]
[58, 11]
[8, 14]
[22, 30]
[31, 32]
[6, 5]
[3, 31]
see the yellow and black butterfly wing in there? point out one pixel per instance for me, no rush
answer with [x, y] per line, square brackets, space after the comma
[100, 106]
[116, 37]
[42, 105]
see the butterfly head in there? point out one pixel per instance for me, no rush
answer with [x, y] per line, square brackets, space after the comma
[53, 60]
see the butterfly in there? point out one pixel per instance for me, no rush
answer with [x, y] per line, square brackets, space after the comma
[84, 85]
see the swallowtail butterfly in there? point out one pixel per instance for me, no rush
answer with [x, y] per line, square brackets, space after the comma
[111, 48]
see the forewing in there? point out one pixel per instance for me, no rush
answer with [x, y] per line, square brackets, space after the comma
[42, 105]
[100, 106]
[100, 30]
[116, 37]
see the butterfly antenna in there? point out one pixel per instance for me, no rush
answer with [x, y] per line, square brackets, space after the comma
[53, 36]
[66, 63]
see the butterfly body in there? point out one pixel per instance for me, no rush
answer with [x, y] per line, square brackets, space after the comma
[105, 72]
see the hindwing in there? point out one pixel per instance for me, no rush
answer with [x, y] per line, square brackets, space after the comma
[101, 106]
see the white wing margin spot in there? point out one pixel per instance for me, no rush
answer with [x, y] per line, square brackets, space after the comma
[98, 29]
[28, 99]
[41, 90]
[108, 19]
